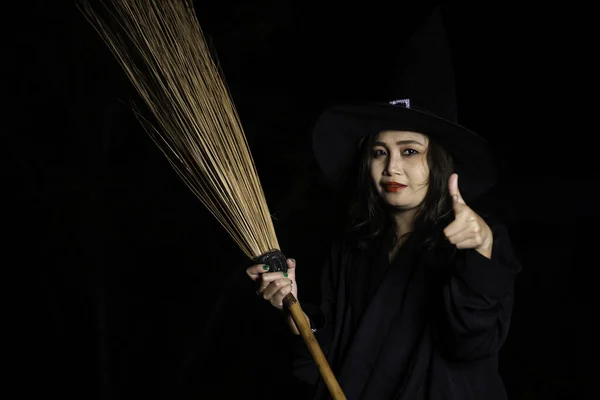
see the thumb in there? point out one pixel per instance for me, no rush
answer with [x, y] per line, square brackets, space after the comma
[458, 203]
[291, 264]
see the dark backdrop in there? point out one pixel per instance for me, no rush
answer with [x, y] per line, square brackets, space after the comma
[127, 288]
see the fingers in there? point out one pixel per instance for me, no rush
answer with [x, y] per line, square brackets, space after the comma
[270, 277]
[468, 237]
[277, 298]
[255, 271]
[469, 244]
[471, 234]
[272, 288]
[461, 224]
[275, 286]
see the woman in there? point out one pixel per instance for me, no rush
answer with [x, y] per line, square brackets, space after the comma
[417, 295]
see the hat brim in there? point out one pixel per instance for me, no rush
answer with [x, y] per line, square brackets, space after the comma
[338, 130]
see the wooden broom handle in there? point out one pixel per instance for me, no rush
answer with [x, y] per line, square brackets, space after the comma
[291, 303]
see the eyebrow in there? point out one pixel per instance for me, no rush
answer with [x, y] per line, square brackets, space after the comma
[399, 142]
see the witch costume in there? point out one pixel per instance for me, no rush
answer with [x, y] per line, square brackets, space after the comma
[430, 323]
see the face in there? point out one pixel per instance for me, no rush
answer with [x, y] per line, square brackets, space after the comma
[399, 168]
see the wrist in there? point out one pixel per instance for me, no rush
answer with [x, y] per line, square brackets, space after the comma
[486, 249]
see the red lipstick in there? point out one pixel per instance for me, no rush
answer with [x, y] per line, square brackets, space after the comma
[393, 186]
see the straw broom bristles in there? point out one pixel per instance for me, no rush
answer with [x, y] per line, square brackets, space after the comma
[161, 47]
[199, 128]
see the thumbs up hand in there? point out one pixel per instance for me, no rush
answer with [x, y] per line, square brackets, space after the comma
[468, 230]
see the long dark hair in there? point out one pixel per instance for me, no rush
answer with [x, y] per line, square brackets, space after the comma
[370, 217]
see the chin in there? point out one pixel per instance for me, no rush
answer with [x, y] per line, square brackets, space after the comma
[402, 205]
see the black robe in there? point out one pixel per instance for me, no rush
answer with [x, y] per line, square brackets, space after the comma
[428, 326]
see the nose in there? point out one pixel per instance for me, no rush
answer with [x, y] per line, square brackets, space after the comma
[394, 165]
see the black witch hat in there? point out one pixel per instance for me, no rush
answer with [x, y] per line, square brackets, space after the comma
[425, 102]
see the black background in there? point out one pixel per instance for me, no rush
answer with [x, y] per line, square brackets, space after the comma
[127, 288]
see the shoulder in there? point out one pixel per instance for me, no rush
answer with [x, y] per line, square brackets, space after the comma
[344, 252]
[343, 246]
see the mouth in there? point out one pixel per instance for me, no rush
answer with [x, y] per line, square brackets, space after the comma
[393, 187]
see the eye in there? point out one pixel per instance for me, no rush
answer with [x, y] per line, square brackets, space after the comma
[378, 153]
[410, 152]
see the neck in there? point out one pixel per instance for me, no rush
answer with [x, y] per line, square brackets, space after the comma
[405, 221]
[404, 225]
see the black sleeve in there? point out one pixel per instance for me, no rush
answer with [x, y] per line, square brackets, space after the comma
[478, 300]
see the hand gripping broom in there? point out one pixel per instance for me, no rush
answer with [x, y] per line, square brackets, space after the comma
[161, 47]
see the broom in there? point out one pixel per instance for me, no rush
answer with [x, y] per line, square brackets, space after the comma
[161, 47]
